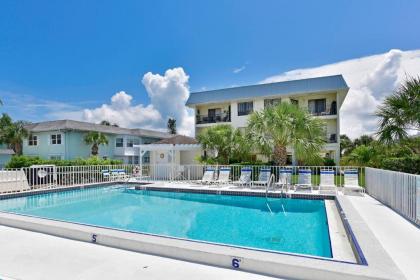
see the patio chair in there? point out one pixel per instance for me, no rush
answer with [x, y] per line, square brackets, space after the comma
[106, 174]
[285, 179]
[263, 177]
[245, 178]
[327, 184]
[351, 182]
[224, 175]
[304, 180]
[208, 176]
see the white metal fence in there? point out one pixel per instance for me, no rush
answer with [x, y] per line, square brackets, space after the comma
[400, 191]
[50, 176]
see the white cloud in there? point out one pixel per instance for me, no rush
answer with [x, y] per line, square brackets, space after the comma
[370, 79]
[167, 93]
[239, 70]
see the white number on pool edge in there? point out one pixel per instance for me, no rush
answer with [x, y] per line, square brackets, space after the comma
[236, 262]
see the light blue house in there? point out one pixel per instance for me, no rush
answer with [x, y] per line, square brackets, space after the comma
[64, 139]
[5, 155]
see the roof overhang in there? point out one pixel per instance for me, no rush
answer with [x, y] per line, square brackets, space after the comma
[169, 147]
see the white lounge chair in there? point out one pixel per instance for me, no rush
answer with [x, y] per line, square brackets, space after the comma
[208, 176]
[327, 184]
[13, 181]
[106, 174]
[304, 180]
[224, 175]
[263, 177]
[245, 178]
[285, 179]
[351, 182]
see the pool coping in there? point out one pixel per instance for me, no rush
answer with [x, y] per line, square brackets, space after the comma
[253, 260]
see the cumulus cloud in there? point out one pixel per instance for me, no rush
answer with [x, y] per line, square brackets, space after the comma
[370, 79]
[168, 95]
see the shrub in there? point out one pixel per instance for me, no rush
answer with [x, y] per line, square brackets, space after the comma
[329, 162]
[405, 164]
[26, 161]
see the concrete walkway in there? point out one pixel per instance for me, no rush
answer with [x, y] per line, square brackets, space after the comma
[398, 237]
[30, 255]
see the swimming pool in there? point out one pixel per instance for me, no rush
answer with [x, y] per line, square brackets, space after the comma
[277, 224]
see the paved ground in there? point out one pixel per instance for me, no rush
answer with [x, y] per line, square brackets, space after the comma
[400, 238]
[29, 255]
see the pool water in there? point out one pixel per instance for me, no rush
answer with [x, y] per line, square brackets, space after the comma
[278, 224]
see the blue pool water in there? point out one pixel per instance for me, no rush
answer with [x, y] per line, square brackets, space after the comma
[292, 225]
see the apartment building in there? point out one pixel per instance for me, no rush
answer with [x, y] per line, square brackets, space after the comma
[64, 139]
[322, 97]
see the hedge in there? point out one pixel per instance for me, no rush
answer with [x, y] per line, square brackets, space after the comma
[26, 161]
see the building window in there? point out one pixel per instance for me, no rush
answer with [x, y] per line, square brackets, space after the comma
[55, 157]
[56, 139]
[33, 140]
[119, 142]
[317, 106]
[146, 157]
[271, 102]
[245, 108]
[132, 142]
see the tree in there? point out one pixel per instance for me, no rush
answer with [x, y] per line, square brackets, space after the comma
[107, 123]
[275, 128]
[12, 133]
[224, 143]
[400, 112]
[363, 140]
[346, 145]
[364, 156]
[95, 139]
[171, 126]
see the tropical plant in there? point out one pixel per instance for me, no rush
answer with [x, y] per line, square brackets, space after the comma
[171, 125]
[277, 127]
[107, 123]
[12, 133]
[223, 144]
[95, 139]
[363, 140]
[363, 156]
[26, 161]
[346, 145]
[400, 112]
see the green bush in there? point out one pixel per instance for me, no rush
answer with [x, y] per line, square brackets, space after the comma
[405, 164]
[26, 161]
[329, 162]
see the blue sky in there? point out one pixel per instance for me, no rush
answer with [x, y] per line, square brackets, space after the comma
[81, 53]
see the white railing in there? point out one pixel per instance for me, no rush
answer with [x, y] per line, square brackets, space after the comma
[400, 191]
[29, 178]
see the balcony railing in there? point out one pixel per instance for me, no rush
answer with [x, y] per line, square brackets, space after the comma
[222, 117]
[329, 111]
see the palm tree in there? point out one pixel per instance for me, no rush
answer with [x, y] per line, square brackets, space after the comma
[400, 112]
[346, 145]
[224, 143]
[284, 125]
[95, 139]
[12, 133]
[171, 126]
[105, 122]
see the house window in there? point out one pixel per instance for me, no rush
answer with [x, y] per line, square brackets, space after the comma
[132, 142]
[56, 139]
[146, 157]
[55, 157]
[33, 140]
[119, 142]
[317, 106]
[271, 102]
[245, 108]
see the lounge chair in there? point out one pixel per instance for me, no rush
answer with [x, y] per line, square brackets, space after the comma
[327, 185]
[224, 175]
[106, 174]
[13, 181]
[208, 176]
[245, 178]
[351, 182]
[304, 180]
[285, 179]
[263, 177]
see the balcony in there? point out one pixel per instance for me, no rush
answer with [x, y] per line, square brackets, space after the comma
[323, 110]
[215, 118]
[331, 138]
